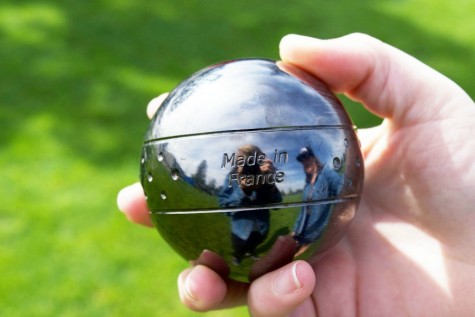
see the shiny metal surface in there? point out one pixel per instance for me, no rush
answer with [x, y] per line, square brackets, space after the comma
[256, 162]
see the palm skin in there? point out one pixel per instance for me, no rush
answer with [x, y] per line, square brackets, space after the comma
[409, 250]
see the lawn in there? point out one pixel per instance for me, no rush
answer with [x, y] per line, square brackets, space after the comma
[75, 77]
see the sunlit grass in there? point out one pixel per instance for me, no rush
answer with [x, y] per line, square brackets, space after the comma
[31, 23]
[75, 77]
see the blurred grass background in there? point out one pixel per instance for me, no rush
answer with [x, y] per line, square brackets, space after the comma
[75, 77]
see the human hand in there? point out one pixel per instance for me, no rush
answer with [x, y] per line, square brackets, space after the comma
[409, 250]
[267, 167]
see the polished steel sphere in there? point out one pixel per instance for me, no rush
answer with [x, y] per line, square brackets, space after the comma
[250, 164]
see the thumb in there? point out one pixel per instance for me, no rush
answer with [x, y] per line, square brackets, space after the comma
[390, 83]
[281, 292]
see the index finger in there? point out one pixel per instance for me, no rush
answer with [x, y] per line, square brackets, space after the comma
[389, 82]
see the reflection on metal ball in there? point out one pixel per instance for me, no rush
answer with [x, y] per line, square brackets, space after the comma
[250, 164]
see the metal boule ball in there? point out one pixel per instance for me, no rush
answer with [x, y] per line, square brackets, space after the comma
[250, 164]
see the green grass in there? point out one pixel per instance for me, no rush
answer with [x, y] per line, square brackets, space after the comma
[75, 77]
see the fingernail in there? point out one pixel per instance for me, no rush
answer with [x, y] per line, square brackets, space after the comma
[287, 281]
[293, 37]
[188, 288]
[155, 103]
[122, 198]
[296, 39]
[286, 41]
[201, 259]
[128, 196]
